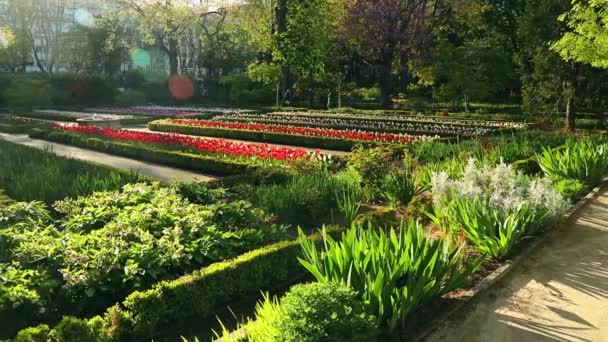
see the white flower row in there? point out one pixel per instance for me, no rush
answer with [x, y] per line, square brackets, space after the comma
[198, 109]
[416, 118]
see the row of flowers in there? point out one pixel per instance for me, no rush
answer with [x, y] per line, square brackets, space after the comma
[212, 146]
[17, 120]
[147, 111]
[307, 131]
[356, 123]
[221, 110]
[408, 118]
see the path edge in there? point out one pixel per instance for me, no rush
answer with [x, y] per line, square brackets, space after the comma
[493, 278]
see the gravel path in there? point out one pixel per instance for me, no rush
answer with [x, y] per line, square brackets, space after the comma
[559, 294]
[147, 169]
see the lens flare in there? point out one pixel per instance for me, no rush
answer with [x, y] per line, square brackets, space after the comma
[84, 17]
[6, 38]
[181, 87]
[140, 57]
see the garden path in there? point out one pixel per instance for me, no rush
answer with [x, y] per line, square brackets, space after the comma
[142, 128]
[559, 293]
[147, 169]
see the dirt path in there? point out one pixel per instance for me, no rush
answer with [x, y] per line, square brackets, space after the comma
[147, 169]
[559, 294]
[141, 128]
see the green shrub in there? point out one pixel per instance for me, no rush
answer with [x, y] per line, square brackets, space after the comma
[318, 312]
[27, 94]
[585, 160]
[393, 272]
[130, 98]
[382, 218]
[419, 206]
[572, 189]
[34, 334]
[71, 329]
[398, 187]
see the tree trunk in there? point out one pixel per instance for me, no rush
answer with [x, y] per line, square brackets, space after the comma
[340, 94]
[570, 114]
[277, 99]
[384, 76]
[173, 64]
[281, 28]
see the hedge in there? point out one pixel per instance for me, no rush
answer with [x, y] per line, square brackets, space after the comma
[6, 127]
[172, 304]
[269, 137]
[183, 160]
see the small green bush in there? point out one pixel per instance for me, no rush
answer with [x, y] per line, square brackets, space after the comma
[322, 312]
[383, 218]
[572, 189]
[130, 98]
[34, 334]
[27, 94]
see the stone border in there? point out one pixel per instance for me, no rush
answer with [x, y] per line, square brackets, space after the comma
[489, 281]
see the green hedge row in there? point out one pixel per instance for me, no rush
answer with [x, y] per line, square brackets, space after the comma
[170, 305]
[268, 137]
[6, 127]
[183, 160]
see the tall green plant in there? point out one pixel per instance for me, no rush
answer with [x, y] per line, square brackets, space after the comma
[393, 272]
[398, 187]
[585, 160]
[348, 204]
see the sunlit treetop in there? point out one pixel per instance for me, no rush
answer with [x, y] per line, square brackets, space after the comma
[7, 38]
[587, 40]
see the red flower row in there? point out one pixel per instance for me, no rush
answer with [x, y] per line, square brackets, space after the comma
[321, 132]
[221, 146]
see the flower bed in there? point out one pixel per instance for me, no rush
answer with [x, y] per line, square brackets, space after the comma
[210, 146]
[444, 128]
[196, 109]
[156, 112]
[15, 124]
[411, 118]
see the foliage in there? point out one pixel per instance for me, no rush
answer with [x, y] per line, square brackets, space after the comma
[18, 95]
[31, 174]
[587, 39]
[571, 189]
[313, 312]
[495, 208]
[348, 204]
[385, 218]
[370, 163]
[398, 187]
[393, 273]
[585, 160]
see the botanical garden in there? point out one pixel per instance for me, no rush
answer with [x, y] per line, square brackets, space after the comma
[319, 170]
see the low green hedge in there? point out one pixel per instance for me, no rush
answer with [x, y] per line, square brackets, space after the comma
[170, 305]
[6, 127]
[183, 160]
[268, 137]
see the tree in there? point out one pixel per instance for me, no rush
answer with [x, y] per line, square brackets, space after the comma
[18, 21]
[389, 33]
[587, 38]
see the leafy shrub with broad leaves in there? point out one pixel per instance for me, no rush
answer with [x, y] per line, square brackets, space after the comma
[585, 160]
[494, 207]
[571, 189]
[393, 272]
[313, 312]
[111, 243]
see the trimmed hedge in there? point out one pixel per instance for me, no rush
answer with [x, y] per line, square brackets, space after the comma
[268, 137]
[183, 160]
[170, 304]
[6, 127]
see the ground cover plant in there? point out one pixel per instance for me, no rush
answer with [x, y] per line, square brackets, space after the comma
[106, 245]
[30, 174]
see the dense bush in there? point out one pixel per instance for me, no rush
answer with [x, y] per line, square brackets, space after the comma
[572, 189]
[495, 208]
[26, 94]
[111, 243]
[584, 160]
[31, 174]
[73, 90]
[393, 272]
[314, 312]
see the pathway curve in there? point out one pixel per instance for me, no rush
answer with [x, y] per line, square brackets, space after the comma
[147, 169]
[560, 293]
[141, 128]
